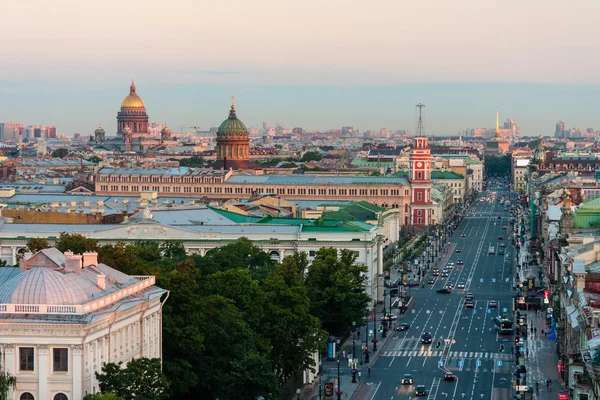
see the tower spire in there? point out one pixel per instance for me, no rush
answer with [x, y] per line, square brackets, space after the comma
[420, 129]
[497, 121]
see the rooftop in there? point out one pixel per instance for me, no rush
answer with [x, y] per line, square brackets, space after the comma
[316, 180]
[167, 171]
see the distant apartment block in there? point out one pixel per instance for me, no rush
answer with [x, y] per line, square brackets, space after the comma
[40, 131]
[10, 131]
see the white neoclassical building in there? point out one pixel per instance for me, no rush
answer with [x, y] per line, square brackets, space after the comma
[203, 228]
[62, 316]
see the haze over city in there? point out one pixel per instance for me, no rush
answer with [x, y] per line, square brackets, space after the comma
[319, 65]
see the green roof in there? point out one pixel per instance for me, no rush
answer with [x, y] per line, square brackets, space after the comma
[232, 125]
[356, 211]
[308, 225]
[237, 218]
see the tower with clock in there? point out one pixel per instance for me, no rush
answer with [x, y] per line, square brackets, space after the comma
[419, 176]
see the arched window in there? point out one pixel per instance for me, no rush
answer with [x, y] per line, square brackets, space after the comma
[26, 396]
[61, 396]
[274, 255]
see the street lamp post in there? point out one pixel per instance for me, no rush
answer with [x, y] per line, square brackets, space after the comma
[339, 391]
[353, 340]
[374, 330]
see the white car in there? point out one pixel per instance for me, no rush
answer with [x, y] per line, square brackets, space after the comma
[460, 286]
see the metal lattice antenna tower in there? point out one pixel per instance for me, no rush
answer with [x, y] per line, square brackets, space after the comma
[420, 129]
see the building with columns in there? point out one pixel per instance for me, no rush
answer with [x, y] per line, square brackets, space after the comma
[203, 228]
[65, 315]
[422, 208]
[233, 145]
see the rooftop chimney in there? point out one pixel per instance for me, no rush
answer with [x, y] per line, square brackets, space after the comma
[73, 264]
[102, 281]
[90, 258]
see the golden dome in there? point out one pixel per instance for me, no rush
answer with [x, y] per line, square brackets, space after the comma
[132, 100]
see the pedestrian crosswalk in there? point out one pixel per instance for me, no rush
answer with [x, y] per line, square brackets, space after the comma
[453, 354]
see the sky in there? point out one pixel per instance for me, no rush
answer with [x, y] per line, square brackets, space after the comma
[318, 64]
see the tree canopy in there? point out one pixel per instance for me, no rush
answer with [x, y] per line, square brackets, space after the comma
[60, 153]
[237, 324]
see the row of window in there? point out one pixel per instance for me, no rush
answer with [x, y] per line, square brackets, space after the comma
[60, 359]
[247, 190]
[159, 179]
[29, 396]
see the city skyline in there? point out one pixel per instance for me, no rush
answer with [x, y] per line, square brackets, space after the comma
[450, 107]
[316, 65]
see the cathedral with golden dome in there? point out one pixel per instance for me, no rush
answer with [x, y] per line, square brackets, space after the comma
[132, 128]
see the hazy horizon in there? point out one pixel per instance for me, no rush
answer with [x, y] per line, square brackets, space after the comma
[318, 65]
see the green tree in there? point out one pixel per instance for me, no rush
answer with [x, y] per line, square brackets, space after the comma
[194, 161]
[120, 256]
[36, 244]
[311, 156]
[183, 340]
[95, 159]
[102, 396]
[76, 243]
[7, 382]
[60, 153]
[336, 288]
[227, 339]
[173, 249]
[238, 286]
[293, 333]
[251, 378]
[240, 254]
[142, 378]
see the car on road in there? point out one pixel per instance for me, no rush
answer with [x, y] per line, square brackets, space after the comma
[502, 245]
[505, 227]
[463, 235]
[390, 317]
[444, 291]
[500, 238]
[500, 251]
[407, 379]
[469, 296]
[449, 285]
[421, 391]
[403, 326]
[499, 216]
[449, 376]
[493, 304]
[460, 262]
[426, 337]
[469, 304]
[444, 274]
[430, 281]
[492, 250]
[460, 286]
[457, 250]
[450, 264]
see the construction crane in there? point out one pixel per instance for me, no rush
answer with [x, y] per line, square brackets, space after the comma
[195, 128]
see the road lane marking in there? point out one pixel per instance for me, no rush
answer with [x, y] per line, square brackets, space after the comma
[376, 389]
[408, 362]
[393, 358]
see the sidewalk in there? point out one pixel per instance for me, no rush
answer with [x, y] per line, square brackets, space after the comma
[542, 359]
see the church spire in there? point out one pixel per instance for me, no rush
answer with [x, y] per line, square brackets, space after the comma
[497, 135]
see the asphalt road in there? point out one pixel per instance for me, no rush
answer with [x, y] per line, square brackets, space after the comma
[470, 346]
